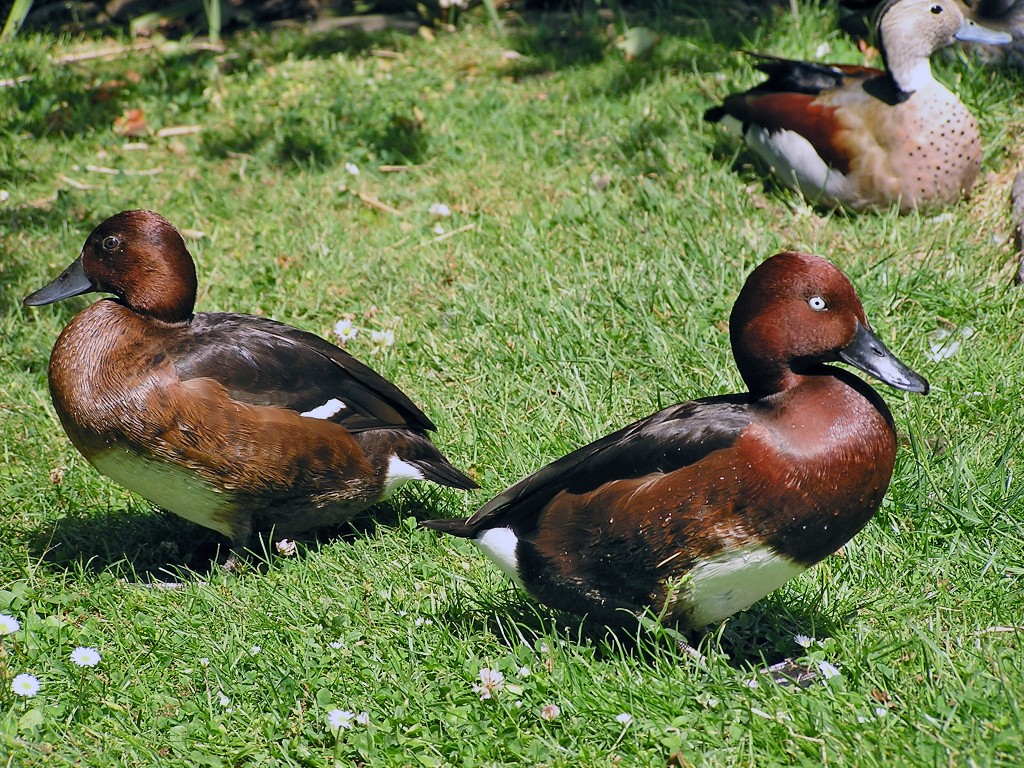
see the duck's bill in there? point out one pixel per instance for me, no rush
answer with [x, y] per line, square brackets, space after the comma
[868, 353]
[973, 32]
[71, 282]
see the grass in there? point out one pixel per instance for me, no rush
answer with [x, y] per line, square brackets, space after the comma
[598, 237]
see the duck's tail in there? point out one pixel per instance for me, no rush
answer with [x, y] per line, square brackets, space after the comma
[441, 471]
[455, 526]
[405, 455]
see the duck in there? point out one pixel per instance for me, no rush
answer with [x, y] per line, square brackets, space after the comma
[1000, 15]
[241, 424]
[699, 510]
[862, 138]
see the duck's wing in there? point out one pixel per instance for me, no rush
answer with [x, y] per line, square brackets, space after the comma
[804, 98]
[673, 438]
[793, 76]
[263, 362]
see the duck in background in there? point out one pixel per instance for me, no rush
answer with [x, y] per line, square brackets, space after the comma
[703, 508]
[859, 137]
[1000, 15]
[235, 422]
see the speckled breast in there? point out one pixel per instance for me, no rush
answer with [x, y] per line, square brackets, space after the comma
[939, 154]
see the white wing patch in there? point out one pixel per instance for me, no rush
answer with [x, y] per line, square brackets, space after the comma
[499, 544]
[325, 411]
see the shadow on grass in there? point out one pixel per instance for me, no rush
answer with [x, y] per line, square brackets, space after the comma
[558, 40]
[157, 546]
[393, 133]
[66, 101]
[751, 640]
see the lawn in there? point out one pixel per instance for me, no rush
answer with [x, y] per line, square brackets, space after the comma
[555, 238]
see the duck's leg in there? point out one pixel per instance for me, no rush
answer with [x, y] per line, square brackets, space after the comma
[791, 673]
[688, 650]
[243, 545]
[1017, 221]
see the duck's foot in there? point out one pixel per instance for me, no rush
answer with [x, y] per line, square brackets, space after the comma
[688, 650]
[789, 673]
[163, 579]
[235, 561]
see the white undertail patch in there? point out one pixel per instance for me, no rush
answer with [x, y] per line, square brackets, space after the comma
[325, 411]
[499, 544]
[399, 473]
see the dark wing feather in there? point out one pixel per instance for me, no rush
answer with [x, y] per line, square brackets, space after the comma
[808, 76]
[263, 362]
[668, 440]
[799, 76]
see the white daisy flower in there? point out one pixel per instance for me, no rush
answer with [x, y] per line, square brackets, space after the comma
[363, 718]
[438, 229]
[254, 650]
[828, 670]
[25, 685]
[223, 698]
[340, 718]
[8, 624]
[549, 712]
[803, 641]
[352, 168]
[203, 661]
[491, 682]
[440, 209]
[336, 644]
[382, 339]
[624, 718]
[85, 657]
[345, 330]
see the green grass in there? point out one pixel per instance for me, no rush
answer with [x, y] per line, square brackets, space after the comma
[557, 310]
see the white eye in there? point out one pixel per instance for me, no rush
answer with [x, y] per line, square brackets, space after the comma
[817, 303]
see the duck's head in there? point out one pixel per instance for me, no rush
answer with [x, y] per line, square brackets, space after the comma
[910, 31]
[797, 312]
[140, 258]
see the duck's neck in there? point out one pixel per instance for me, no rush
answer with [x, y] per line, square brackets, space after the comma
[909, 72]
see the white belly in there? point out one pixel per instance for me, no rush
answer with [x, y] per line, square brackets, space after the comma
[169, 487]
[499, 544]
[723, 585]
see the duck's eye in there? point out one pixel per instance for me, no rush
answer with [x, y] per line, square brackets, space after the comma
[817, 303]
[111, 243]
[936, 9]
